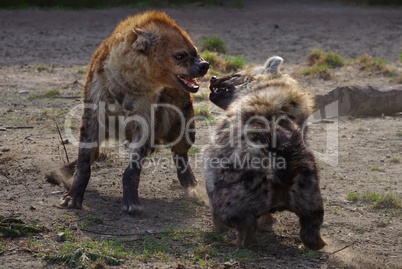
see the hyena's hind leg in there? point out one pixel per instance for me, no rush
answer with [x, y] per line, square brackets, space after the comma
[246, 227]
[87, 153]
[180, 159]
[184, 171]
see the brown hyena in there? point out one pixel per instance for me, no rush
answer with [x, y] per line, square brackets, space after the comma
[257, 162]
[147, 60]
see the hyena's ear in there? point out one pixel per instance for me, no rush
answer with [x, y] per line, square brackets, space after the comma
[144, 41]
[272, 65]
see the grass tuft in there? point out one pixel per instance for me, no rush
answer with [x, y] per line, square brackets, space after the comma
[48, 94]
[214, 44]
[203, 112]
[395, 159]
[319, 63]
[216, 62]
[382, 201]
[10, 227]
[372, 64]
[234, 63]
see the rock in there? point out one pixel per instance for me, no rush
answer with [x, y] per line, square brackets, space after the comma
[23, 92]
[61, 237]
[5, 150]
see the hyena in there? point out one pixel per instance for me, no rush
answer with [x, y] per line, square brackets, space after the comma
[257, 162]
[147, 60]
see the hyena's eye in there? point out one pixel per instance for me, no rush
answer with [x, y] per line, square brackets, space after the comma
[181, 56]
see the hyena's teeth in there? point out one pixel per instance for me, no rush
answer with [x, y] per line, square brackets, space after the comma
[189, 81]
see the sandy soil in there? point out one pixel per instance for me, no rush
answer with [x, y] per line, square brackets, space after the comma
[49, 49]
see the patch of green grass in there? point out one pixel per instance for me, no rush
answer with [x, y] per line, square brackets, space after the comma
[227, 64]
[369, 63]
[352, 196]
[194, 149]
[67, 232]
[91, 221]
[333, 60]
[315, 56]
[81, 70]
[321, 71]
[375, 168]
[191, 246]
[12, 227]
[319, 57]
[202, 96]
[203, 112]
[234, 63]
[80, 258]
[388, 200]
[48, 94]
[153, 248]
[42, 67]
[398, 133]
[216, 62]
[215, 44]
[309, 253]
[238, 4]
[395, 159]
[383, 201]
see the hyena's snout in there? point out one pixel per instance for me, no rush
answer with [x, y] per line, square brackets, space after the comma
[199, 67]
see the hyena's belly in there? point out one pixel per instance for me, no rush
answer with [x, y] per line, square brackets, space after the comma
[240, 193]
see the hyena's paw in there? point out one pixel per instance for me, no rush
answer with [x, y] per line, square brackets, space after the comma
[310, 233]
[313, 241]
[265, 222]
[192, 195]
[133, 209]
[71, 202]
[57, 177]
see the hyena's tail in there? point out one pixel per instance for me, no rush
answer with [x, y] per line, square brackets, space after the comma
[272, 65]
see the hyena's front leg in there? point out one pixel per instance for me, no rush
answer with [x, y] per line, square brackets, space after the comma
[310, 229]
[88, 152]
[308, 205]
[131, 180]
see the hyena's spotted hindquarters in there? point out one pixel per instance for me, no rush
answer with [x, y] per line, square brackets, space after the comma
[257, 162]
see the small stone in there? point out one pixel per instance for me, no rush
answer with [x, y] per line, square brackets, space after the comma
[5, 150]
[73, 228]
[23, 92]
[3, 129]
[61, 237]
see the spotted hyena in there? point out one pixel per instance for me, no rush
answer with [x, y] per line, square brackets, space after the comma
[147, 60]
[257, 162]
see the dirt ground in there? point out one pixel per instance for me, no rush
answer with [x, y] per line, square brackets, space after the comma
[41, 50]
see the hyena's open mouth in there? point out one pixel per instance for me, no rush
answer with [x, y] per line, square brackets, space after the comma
[219, 89]
[191, 84]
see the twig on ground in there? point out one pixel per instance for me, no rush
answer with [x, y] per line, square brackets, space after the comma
[336, 251]
[61, 140]
[17, 127]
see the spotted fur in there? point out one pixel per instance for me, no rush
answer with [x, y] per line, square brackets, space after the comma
[257, 161]
[147, 60]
